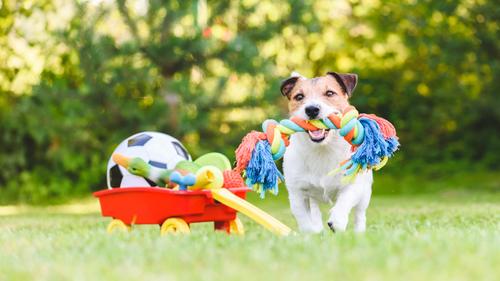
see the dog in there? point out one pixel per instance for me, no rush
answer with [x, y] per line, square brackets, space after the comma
[311, 156]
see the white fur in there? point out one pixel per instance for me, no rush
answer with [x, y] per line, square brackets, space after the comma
[306, 165]
[296, 74]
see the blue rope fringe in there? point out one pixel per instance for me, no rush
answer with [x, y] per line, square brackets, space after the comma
[262, 170]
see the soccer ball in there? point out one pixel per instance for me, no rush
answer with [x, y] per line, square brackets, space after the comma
[158, 149]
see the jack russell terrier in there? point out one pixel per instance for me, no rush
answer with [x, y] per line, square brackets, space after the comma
[312, 155]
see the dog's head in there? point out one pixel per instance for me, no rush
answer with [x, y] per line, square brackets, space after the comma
[318, 97]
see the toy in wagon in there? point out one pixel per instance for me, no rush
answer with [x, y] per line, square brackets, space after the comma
[152, 180]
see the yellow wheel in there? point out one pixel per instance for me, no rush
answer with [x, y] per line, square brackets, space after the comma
[236, 227]
[174, 226]
[117, 224]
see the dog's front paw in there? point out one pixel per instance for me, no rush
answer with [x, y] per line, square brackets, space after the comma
[337, 223]
[317, 228]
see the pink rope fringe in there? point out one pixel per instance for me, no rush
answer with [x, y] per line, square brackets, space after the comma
[386, 128]
[245, 149]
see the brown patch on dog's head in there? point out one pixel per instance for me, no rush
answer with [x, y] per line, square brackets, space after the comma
[333, 89]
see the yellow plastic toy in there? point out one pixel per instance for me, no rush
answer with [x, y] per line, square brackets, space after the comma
[207, 177]
[210, 177]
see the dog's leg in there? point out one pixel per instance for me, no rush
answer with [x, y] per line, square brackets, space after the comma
[299, 204]
[356, 194]
[339, 214]
[360, 211]
[359, 219]
[316, 217]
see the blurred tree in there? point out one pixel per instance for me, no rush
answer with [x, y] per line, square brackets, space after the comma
[126, 68]
[77, 78]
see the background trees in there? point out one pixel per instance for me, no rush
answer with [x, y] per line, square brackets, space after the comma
[75, 79]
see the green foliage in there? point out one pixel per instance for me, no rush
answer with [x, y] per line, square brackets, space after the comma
[79, 78]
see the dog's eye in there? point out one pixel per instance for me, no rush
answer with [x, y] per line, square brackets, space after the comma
[298, 97]
[330, 93]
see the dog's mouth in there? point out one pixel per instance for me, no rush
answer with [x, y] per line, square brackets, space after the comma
[318, 135]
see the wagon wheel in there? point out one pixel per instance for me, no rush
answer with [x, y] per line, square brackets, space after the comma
[117, 224]
[236, 227]
[174, 226]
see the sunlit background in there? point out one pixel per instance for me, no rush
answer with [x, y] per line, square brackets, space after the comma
[76, 78]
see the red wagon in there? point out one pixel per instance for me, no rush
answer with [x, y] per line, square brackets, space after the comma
[173, 210]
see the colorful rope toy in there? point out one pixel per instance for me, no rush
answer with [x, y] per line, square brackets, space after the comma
[373, 141]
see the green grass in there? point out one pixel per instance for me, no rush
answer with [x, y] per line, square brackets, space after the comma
[436, 178]
[438, 237]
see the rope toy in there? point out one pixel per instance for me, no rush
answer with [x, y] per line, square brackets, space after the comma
[373, 140]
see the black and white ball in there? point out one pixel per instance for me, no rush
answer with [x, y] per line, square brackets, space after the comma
[158, 149]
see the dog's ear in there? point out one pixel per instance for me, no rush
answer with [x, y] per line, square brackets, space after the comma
[287, 85]
[347, 81]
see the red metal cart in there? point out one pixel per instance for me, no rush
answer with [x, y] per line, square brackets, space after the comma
[172, 209]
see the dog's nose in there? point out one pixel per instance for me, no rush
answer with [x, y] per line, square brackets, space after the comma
[312, 111]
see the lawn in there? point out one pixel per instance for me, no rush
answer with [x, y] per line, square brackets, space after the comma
[440, 237]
